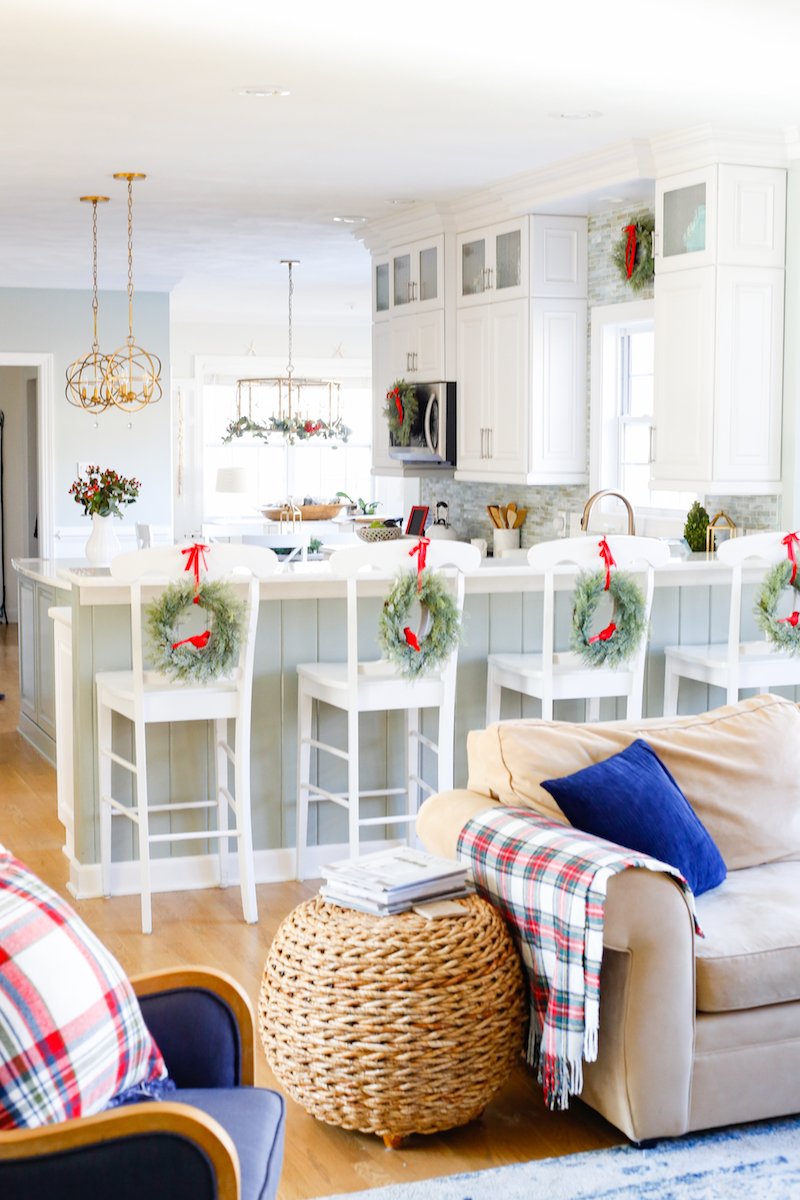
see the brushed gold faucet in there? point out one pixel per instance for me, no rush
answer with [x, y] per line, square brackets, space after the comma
[590, 503]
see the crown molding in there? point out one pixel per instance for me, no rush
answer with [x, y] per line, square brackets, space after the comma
[619, 163]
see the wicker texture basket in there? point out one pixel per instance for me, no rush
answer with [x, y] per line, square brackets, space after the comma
[392, 1025]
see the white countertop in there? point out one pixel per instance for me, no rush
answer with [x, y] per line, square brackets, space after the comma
[314, 580]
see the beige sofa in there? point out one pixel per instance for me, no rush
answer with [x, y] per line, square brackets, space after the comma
[694, 1032]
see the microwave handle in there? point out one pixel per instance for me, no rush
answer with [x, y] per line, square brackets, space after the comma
[428, 437]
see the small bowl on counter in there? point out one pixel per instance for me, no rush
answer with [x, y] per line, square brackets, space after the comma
[379, 533]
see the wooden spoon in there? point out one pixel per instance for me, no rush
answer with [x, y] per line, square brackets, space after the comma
[519, 517]
[491, 510]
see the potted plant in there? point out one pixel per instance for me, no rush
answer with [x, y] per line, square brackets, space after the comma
[359, 507]
[101, 493]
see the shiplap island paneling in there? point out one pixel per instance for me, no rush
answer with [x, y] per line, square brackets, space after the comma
[302, 618]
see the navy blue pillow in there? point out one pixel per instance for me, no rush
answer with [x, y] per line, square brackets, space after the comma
[632, 799]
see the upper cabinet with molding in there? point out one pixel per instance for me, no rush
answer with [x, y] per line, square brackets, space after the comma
[408, 280]
[521, 352]
[719, 293]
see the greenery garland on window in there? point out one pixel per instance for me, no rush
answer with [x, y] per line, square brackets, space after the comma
[401, 410]
[782, 632]
[415, 653]
[205, 656]
[291, 428]
[632, 255]
[620, 640]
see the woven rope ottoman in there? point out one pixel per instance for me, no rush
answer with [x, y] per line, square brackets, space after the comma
[392, 1025]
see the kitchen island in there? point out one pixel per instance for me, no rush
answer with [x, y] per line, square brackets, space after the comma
[301, 619]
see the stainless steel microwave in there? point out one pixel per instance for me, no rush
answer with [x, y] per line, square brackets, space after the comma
[433, 435]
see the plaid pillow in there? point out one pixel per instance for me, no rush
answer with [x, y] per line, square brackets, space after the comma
[72, 1035]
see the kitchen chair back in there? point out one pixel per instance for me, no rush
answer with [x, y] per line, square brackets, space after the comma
[144, 697]
[552, 676]
[377, 686]
[733, 664]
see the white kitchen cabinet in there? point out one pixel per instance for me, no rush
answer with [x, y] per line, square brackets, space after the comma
[492, 263]
[721, 215]
[417, 276]
[381, 288]
[382, 379]
[493, 391]
[558, 390]
[559, 256]
[36, 665]
[718, 379]
[417, 347]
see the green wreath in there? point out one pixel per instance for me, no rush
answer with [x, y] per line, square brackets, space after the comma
[185, 660]
[415, 653]
[401, 399]
[620, 640]
[783, 632]
[644, 265]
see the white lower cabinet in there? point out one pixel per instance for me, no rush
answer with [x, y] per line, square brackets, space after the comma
[718, 379]
[522, 391]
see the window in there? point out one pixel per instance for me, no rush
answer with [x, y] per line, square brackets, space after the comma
[276, 469]
[623, 341]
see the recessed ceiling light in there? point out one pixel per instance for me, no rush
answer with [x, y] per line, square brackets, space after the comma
[584, 115]
[350, 220]
[612, 199]
[264, 89]
[401, 202]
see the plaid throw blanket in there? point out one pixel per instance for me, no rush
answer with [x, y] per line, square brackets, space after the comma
[549, 882]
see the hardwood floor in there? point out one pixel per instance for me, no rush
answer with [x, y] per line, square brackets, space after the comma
[205, 927]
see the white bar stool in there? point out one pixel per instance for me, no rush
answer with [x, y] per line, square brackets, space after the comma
[377, 687]
[146, 698]
[551, 676]
[733, 664]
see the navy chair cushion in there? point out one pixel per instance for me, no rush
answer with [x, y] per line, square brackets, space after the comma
[632, 799]
[198, 1036]
[255, 1118]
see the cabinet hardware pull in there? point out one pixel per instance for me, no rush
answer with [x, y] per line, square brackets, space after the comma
[483, 431]
[489, 447]
[413, 291]
[489, 274]
[652, 457]
[408, 292]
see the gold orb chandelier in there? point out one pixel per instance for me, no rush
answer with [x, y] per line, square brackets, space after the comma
[86, 377]
[132, 374]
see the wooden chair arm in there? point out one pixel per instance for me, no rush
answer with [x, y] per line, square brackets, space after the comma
[134, 1120]
[224, 986]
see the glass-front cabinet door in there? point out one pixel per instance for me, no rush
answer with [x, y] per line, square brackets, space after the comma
[401, 274]
[493, 263]
[686, 209]
[381, 288]
[428, 273]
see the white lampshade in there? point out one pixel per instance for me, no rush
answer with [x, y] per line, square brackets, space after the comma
[232, 479]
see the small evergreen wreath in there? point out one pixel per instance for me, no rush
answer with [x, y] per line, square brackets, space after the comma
[621, 639]
[783, 632]
[210, 654]
[643, 264]
[401, 410]
[416, 653]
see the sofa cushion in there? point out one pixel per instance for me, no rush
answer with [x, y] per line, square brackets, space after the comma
[632, 799]
[255, 1118]
[738, 766]
[750, 955]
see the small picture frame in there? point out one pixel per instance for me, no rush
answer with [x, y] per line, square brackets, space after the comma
[416, 520]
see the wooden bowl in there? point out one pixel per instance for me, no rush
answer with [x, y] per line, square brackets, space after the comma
[308, 512]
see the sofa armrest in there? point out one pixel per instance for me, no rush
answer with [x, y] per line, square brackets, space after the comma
[442, 817]
[138, 1152]
[641, 1081]
[164, 994]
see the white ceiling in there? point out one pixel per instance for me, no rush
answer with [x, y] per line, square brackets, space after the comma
[423, 100]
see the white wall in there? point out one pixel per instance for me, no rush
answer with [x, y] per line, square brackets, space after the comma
[59, 322]
[13, 403]
[236, 340]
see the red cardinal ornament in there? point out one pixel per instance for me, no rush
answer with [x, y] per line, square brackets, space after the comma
[198, 641]
[792, 620]
[604, 634]
[411, 638]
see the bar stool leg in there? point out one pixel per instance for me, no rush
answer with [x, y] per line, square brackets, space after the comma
[671, 684]
[494, 694]
[413, 764]
[221, 758]
[144, 825]
[244, 826]
[446, 738]
[104, 781]
[352, 779]
[304, 716]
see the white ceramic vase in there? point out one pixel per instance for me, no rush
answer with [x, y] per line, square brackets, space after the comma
[102, 545]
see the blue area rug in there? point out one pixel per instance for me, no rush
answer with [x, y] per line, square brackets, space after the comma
[744, 1162]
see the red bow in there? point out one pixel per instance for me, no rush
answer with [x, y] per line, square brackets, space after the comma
[789, 542]
[411, 638]
[630, 249]
[793, 619]
[396, 394]
[193, 564]
[421, 549]
[608, 559]
[604, 634]
[198, 641]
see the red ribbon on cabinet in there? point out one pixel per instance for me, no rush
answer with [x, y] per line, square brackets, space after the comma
[630, 249]
[193, 564]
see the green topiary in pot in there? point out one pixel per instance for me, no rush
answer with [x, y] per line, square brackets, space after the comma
[695, 528]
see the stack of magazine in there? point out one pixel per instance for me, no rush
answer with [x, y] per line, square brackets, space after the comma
[393, 881]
